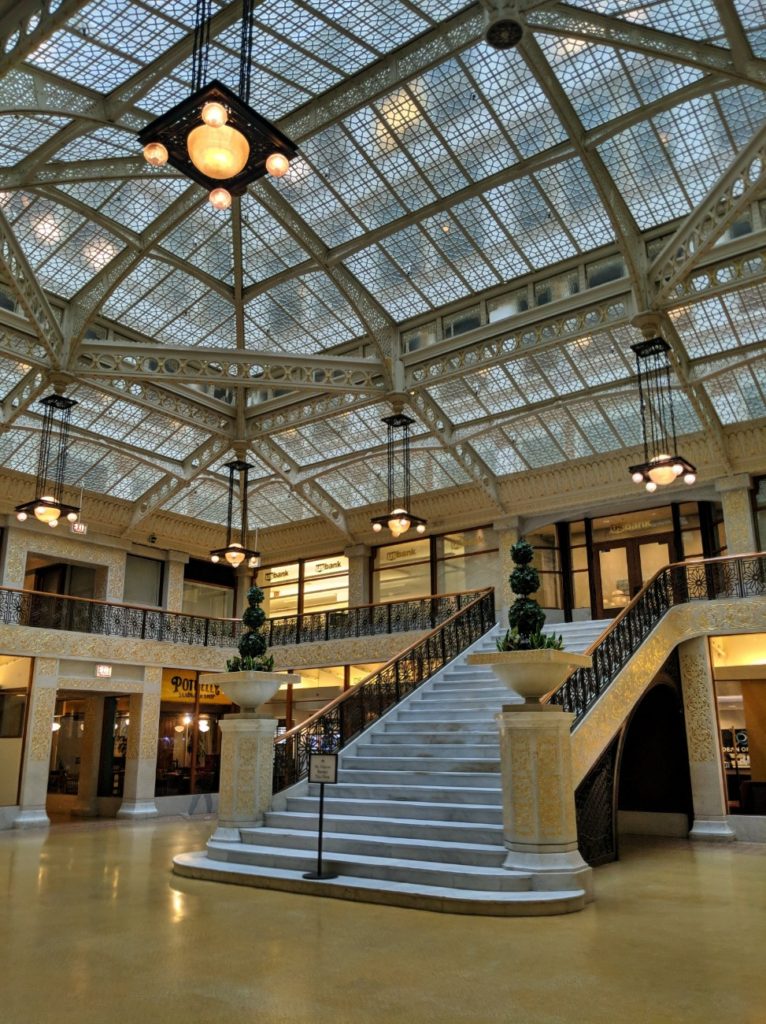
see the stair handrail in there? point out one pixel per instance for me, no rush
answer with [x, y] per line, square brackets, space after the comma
[351, 712]
[735, 576]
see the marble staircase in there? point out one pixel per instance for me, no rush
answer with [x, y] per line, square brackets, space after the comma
[416, 817]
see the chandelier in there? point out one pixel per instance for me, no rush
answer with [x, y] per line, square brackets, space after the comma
[214, 137]
[48, 507]
[399, 519]
[662, 464]
[236, 551]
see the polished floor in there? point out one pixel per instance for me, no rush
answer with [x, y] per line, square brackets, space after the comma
[94, 928]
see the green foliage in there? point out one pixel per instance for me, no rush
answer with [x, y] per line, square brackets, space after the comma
[525, 617]
[252, 644]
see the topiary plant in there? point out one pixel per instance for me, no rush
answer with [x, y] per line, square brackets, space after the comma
[252, 644]
[525, 617]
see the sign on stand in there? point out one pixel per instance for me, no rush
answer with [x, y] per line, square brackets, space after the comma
[323, 769]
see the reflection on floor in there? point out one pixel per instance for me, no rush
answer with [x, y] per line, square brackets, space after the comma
[95, 928]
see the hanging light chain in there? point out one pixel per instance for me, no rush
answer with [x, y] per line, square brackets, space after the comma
[246, 50]
[201, 50]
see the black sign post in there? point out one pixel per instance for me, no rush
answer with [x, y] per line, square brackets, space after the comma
[323, 768]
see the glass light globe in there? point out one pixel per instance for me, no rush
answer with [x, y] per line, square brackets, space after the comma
[399, 523]
[155, 154]
[55, 726]
[72, 517]
[377, 527]
[214, 114]
[178, 728]
[277, 164]
[678, 468]
[638, 478]
[235, 556]
[215, 558]
[21, 516]
[204, 725]
[661, 474]
[53, 522]
[690, 478]
[421, 527]
[219, 153]
[220, 199]
[46, 513]
[651, 486]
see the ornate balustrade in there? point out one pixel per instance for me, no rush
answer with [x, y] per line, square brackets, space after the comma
[709, 580]
[352, 712]
[83, 615]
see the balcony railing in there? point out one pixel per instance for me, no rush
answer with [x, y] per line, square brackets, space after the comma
[332, 728]
[106, 618]
[709, 580]
[367, 620]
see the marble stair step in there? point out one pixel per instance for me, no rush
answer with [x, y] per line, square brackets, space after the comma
[439, 764]
[419, 872]
[428, 775]
[375, 825]
[489, 813]
[395, 847]
[451, 727]
[436, 714]
[435, 738]
[475, 751]
[418, 793]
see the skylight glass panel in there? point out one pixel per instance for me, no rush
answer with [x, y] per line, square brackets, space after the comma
[137, 482]
[736, 396]
[267, 247]
[381, 24]
[358, 484]
[744, 111]
[276, 53]
[705, 327]
[498, 451]
[201, 499]
[278, 504]
[133, 203]
[562, 425]
[435, 471]
[11, 373]
[570, 190]
[78, 259]
[338, 436]
[752, 14]
[132, 30]
[205, 241]
[522, 207]
[22, 134]
[458, 248]
[301, 316]
[100, 144]
[640, 165]
[596, 428]
[388, 282]
[72, 56]
[317, 37]
[602, 358]
[490, 237]
[696, 19]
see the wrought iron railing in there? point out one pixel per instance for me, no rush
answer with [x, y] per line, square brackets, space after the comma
[332, 728]
[709, 580]
[83, 615]
[367, 620]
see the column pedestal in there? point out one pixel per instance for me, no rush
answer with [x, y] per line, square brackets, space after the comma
[247, 771]
[539, 823]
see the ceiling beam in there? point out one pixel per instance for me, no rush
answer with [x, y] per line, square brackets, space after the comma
[34, 22]
[738, 186]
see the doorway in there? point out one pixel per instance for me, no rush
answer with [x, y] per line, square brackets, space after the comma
[622, 567]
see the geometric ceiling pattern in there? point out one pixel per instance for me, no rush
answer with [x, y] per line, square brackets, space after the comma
[481, 233]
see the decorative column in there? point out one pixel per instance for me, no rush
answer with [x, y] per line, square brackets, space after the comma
[86, 805]
[141, 755]
[705, 763]
[539, 821]
[358, 575]
[14, 555]
[738, 519]
[37, 748]
[508, 531]
[173, 585]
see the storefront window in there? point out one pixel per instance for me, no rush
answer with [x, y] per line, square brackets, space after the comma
[546, 561]
[739, 666]
[325, 584]
[143, 581]
[281, 587]
[402, 571]
[14, 689]
[466, 560]
[208, 599]
[66, 744]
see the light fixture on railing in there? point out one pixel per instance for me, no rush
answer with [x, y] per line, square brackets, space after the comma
[237, 551]
[399, 519]
[214, 137]
[662, 464]
[48, 507]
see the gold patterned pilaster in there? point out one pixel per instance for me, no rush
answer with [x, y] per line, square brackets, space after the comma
[37, 750]
[738, 520]
[247, 765]
[358, 575]
[141, 757]
[174, 585]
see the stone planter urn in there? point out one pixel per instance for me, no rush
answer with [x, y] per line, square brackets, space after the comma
[249, 689]
[531, 674]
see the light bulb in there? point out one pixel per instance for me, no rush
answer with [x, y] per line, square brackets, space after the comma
[277, 164]
[254, 561]
[214, 114]
[376, 527]
[46, 513]
[187, 719]
[21, 516]
[55, 726]
[204, 725]
[155, 154]
[690, 478]
[651, 486]
[220, 153]
[220, 199]
[215, 558]
[678, 468]
[638, 478]
[53, 522]
[421, 527]
[72, 517]
[661, 474]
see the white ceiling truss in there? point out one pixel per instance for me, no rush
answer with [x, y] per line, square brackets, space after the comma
[524, 216]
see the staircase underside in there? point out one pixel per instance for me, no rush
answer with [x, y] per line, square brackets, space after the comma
[416, 818]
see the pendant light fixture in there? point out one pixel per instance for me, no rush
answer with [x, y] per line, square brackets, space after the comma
[214, 137]
[662, 464]
[399, 519]
[47, 506]
[237, 551]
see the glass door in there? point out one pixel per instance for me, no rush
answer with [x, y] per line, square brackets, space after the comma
[624, 566]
